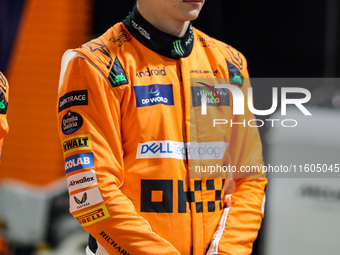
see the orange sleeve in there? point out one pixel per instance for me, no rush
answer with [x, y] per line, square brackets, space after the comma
[239, 224]
[89, 124]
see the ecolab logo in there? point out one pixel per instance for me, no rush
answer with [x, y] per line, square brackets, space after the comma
[180, 150]
[81, 180]
[154, 94]
[78, 161]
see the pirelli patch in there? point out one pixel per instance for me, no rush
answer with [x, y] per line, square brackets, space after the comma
[76, 143]
[92, 216]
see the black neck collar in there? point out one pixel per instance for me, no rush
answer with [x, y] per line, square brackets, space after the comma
[162, 43]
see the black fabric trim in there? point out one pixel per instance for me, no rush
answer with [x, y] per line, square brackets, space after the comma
[235, 76]
[117, 74]
[3, 103]
[93, 244]
[162, 43]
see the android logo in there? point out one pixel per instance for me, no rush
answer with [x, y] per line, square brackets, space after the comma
[119, 78]
[237, 78]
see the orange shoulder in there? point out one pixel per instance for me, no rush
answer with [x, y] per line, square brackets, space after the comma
[230, 53]
[233, 55]
[103, 52]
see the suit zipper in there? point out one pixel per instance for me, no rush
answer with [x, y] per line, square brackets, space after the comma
[185, 140]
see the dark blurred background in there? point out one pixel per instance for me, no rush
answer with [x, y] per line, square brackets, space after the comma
[279, 39]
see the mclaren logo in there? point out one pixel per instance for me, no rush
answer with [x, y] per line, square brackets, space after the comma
[122, 36]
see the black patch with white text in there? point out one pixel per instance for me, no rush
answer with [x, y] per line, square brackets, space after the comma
[78, 97]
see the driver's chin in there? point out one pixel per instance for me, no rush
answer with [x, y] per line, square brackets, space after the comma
[193, 14]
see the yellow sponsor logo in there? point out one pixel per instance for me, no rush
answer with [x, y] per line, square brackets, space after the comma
[92, 216]
[77, 142]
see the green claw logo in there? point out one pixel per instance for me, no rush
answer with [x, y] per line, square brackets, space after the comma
[178, 47]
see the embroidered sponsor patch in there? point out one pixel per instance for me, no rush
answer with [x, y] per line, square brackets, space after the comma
[117, 76]
[154, 94]
[78, 97]
[77, 142]
[81, 180]
[85, 199]
[71, 122]
[78, 161]
[235, 75]
[122, 36]
[214, 96]
[92, 216]
[180, 150]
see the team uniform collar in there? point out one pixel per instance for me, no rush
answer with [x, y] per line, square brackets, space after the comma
[162, 43]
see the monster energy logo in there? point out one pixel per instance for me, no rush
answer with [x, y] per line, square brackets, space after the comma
[178, 47]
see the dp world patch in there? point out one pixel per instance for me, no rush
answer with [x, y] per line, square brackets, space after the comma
[154, 94]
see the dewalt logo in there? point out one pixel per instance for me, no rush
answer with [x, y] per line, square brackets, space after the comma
[77, 142]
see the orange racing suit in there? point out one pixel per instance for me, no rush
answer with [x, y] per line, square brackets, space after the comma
[126, 113]
[4, 90]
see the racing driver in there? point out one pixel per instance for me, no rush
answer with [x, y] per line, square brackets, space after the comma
[131, 128]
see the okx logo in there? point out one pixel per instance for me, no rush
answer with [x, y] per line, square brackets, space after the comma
[154, 94]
